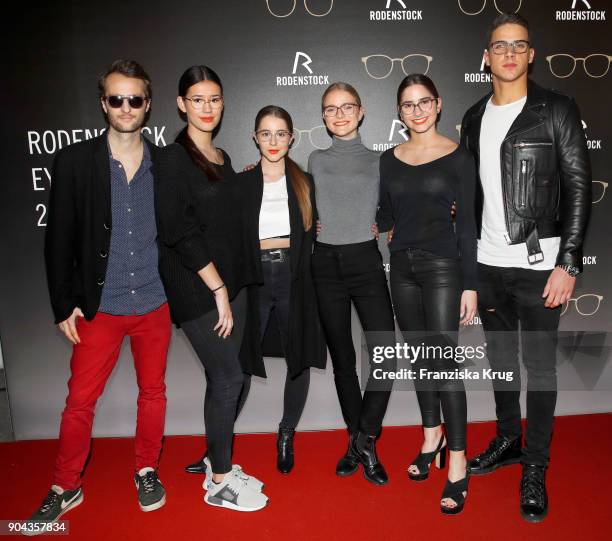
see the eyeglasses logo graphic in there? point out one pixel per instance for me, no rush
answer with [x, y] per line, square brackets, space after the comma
[563, 65]
[461, 4]
[380, 66]
[293, 3]
[599, 190]
[583, 1]
[403, 130]
[586, 305]
[317, 136]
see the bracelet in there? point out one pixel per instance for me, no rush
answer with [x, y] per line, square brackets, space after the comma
[218, 288]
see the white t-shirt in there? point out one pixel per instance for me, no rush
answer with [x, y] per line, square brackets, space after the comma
[274, 212]
[492, 246]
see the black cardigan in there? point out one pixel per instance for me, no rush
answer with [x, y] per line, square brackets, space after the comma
[77, 239]
[306, 347]
[201, 221]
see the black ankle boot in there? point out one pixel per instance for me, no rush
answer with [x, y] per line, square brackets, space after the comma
[197, 467]
[364, 448]
[534, 499]
[502, 451]
[349, 463]
[284, 448]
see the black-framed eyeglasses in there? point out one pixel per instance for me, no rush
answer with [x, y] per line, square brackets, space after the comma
[519, 46]
[408, 108]
[348, 109]
[265, 136]
[197, 102]
[116, 101]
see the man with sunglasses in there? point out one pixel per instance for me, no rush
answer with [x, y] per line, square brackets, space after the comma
[532, 212]
[102, 269]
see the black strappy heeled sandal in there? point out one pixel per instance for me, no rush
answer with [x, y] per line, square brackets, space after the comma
[423, 461]
[455, 492]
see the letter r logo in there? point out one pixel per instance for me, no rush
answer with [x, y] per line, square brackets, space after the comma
[402, 129]
[307, 61]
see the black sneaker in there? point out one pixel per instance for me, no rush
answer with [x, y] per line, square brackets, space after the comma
[56, 503]
[534, 499]
[151, 493]
[502, 451]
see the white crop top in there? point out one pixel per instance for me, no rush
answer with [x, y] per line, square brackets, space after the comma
[274, 213]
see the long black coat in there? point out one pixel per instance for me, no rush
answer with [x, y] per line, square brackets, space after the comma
[306, 344]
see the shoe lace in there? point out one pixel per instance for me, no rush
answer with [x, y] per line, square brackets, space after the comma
[236, 483]
[49, 501]
[496, 447]
[239, 472]
[149, 480]
[532, 487]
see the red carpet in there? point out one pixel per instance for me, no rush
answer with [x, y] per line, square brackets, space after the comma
[312, 503]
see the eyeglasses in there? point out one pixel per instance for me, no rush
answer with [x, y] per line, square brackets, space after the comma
[281, 16]
[586, 305]
[265, 136]
[409, 108]
[380, 66]
[348, 109]
[563, 65]
[604, 186]
[520, 46]
[197, 102]
[116, 101]
[484, 4]
[317, 136]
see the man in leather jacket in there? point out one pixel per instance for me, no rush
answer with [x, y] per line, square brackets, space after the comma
[532, 209]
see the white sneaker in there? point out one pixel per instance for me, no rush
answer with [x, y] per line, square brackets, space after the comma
[252, 482]
[233, 493]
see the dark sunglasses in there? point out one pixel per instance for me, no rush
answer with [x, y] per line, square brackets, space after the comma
[136, 102]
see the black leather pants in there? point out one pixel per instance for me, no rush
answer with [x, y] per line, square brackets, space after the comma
[426, 291]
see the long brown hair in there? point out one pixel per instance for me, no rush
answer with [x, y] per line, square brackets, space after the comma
[190, 77]
[299, 182]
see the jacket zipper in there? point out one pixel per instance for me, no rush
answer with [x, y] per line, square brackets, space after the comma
[523, 183]
[523, 144]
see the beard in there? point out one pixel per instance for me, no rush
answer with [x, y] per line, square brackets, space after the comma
[126, 127]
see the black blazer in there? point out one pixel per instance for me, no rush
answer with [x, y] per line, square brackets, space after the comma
[306, 347]
[77, 240]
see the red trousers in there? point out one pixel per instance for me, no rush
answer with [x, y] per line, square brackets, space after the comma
[91, 364]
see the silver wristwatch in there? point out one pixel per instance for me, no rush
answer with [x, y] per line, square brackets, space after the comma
[570, 269]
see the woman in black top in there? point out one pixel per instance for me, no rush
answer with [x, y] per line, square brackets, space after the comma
[433, 269]
[281, 216]
[210, 268]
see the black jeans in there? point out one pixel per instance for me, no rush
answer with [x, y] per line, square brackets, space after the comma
[506, 297]
[426, 291]
[345, 273]
[224, 378]
[274, 297]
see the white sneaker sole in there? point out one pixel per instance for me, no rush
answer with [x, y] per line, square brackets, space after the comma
[75, 503]
[217, 502]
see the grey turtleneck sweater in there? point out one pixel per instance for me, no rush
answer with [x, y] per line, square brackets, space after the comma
[347, 178]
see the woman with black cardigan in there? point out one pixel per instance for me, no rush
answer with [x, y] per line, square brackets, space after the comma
[209, 264]
[282, 210]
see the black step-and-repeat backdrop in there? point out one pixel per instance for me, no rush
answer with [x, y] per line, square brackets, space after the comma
[283, 52]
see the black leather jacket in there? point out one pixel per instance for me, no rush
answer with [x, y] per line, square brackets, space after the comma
[546, 173]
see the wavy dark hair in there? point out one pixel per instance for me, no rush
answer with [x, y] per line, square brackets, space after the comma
[190, 77]
[299, 182]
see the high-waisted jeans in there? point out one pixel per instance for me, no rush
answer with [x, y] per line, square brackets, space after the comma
[354, 273]
[426, 291]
